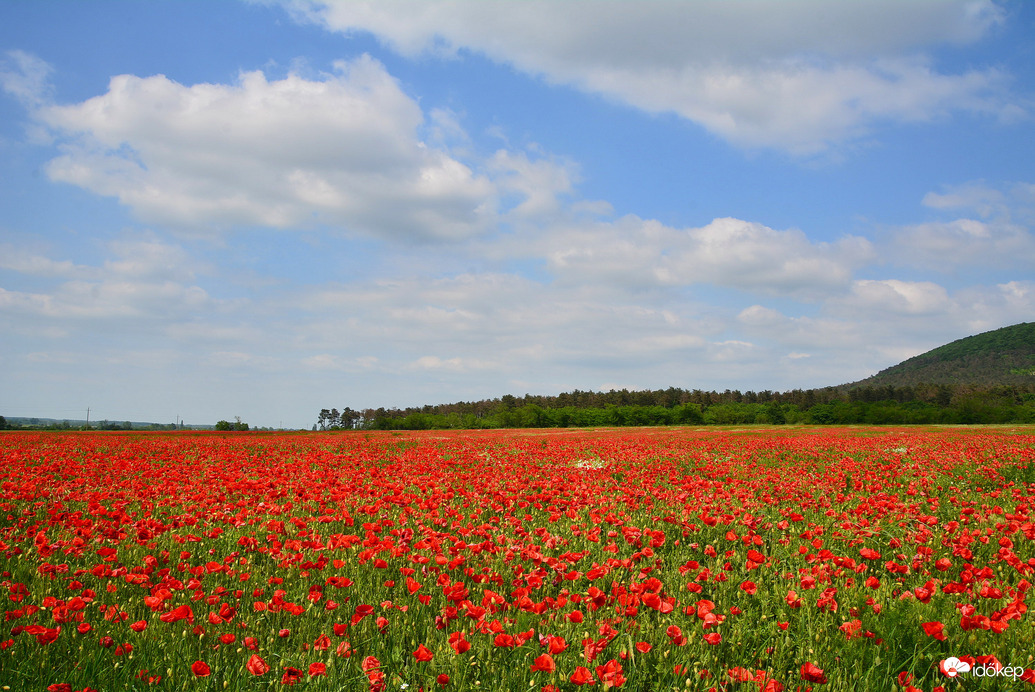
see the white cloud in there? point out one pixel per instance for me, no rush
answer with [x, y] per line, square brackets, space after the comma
[786, 75]
[538, 183]
[995, 230]
[331, 362]
[727, 252]
[833, 333]
[882, 322]
[493, 322]
[23, 261]
[343, 152]
[106, 300]
[242, 360]
[25, 77]
[985, 200]
[451, 364]
[145, 279]
[898, 297]
[989, 307]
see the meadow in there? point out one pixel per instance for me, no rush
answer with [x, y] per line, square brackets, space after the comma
[769, 559]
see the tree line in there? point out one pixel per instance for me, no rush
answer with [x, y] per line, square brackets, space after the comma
[872, 405]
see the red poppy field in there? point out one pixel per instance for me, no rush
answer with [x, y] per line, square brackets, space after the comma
[661, 559]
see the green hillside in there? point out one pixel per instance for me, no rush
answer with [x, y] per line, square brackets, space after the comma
[1001, 357]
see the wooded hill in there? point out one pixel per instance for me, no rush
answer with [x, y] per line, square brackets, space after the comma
[987, 378]
[1002, 357]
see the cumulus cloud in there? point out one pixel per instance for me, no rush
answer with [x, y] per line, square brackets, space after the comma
[500, 322]
[879, 323]
[145, 279]
[24, 261]
[897, 297]
[25, 77]
[519, 333]
[538, 185]
[105, 300]
[992, 228]
[727, 252]
[342, 151]
[804, 332]
[345, 151]
[759, 74]
[982, 198]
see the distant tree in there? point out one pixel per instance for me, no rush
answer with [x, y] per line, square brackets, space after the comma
[774, 412]
[224, 426]
[349, 418]
[3, 423]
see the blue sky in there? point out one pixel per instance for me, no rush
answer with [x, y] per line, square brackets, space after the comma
[211, 210]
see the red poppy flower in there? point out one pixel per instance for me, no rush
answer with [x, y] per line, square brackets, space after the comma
[555, 644]
[291, 676]
[740, 674]
[813, 673]
[934, 629]
[505, 641]
[544, 664]
[182, 612]
[200, 669]
[611, 674]
[423, 654]
[582, 676]
[459, 644]
[852, 628]
[316, 669]
[257, 666]
[48, 635]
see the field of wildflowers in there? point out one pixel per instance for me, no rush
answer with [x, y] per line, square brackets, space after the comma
[634, 559]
